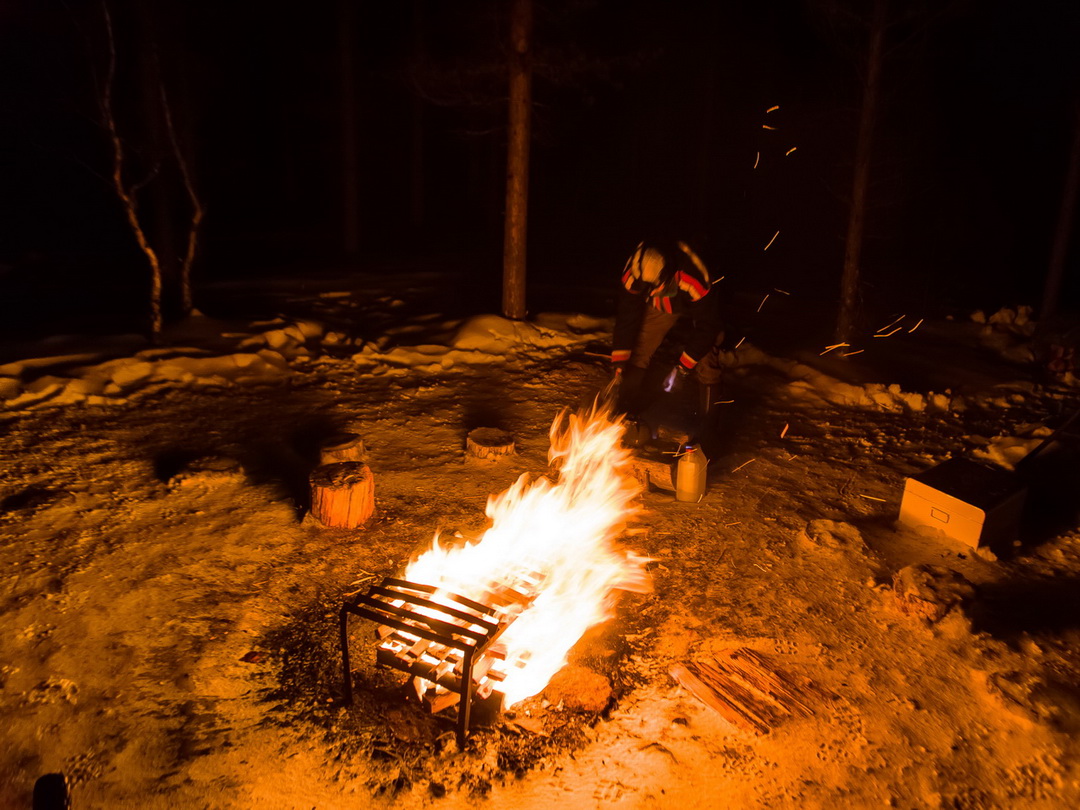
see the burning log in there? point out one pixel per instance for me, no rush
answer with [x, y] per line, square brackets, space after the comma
[489, 444]
[342, 494]
[745, 689]
[440, 640]
[342, 447]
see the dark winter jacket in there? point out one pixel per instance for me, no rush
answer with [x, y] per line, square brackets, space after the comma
[685, 293]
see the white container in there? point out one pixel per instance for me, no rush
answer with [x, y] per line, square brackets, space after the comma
[967, 501]
[690, 475]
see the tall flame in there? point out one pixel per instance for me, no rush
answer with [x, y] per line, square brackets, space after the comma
[559, 534]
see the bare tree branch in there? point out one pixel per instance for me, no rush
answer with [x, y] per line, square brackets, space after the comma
[127, 200]
[196, 207]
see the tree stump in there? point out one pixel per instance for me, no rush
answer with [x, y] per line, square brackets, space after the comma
[342, 494]
[489, 444]
[341, 447]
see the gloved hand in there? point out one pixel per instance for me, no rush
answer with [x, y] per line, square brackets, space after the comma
[676, 379]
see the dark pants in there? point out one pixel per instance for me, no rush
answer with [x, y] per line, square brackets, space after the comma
[643, 380]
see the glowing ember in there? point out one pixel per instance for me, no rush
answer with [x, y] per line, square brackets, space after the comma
[554, 540]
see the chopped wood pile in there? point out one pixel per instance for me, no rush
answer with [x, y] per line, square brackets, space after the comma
[746, 689]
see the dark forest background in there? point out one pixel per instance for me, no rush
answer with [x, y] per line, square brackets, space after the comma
[648, 118]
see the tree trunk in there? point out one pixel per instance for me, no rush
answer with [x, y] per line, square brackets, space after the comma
[849, 283]
[517, 160]
[187, 301]
[417, 164]
[127, 200]
[1063, 232]
[350, 159]
[342, 494]
[157, 205]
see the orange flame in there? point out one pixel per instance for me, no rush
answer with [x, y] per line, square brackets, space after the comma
[560, 538]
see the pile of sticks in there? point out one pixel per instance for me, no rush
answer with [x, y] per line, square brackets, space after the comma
[745, 689]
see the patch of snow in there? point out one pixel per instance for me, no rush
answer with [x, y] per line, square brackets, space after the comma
[1008, 451]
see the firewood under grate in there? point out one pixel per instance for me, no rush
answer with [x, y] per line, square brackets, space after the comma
[446, 642]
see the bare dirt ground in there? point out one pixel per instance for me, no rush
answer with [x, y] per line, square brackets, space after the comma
[131, 597]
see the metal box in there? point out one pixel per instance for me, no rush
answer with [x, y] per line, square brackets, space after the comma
[969, 502]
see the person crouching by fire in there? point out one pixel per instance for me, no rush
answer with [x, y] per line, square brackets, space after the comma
[665, 291]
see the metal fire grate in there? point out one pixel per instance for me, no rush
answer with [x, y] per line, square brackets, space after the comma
[447, 640]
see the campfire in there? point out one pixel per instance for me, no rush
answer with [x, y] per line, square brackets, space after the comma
[496, 618]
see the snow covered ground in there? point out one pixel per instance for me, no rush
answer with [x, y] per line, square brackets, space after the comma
[168, 626]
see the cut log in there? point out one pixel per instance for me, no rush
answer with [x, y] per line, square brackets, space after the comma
[489, 444]
[342, 494]
[659, 472]
[342, 447]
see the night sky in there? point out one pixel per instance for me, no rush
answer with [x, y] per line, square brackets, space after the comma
[648, 118]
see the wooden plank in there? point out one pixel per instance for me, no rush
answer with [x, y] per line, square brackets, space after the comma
[714, 700]
[762, 714]
[764, 676]
[745, 688]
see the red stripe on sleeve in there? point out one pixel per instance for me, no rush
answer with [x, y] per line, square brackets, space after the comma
[692, 285]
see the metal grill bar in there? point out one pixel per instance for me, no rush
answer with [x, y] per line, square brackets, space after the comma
[455, 643]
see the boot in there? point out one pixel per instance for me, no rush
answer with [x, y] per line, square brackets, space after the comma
[630, 390]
